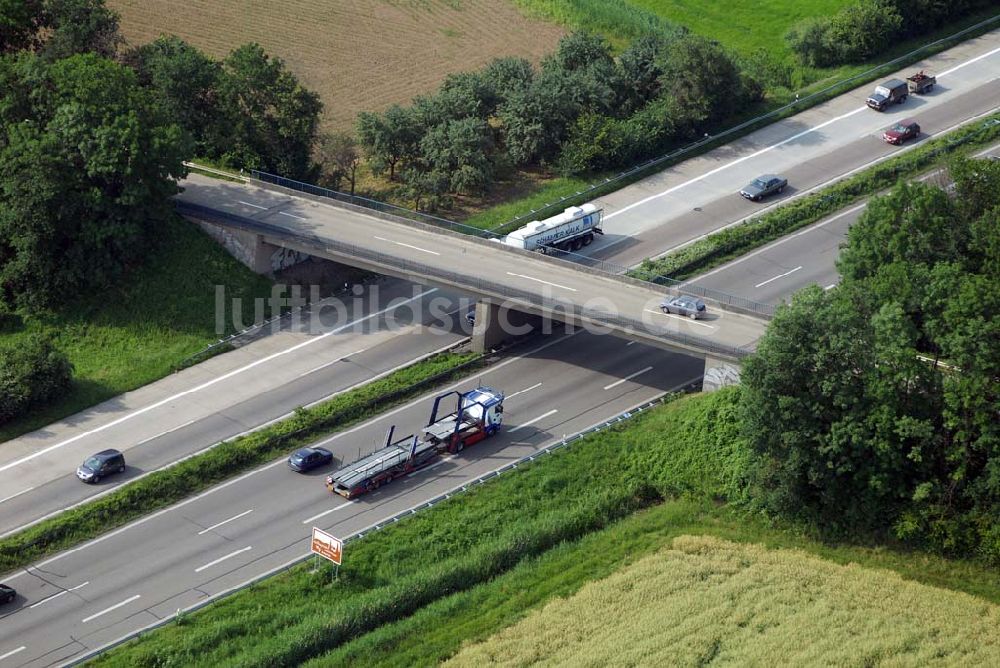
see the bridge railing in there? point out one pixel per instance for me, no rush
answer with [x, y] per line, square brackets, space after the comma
[368, 203]
[404, 215]
[475, 283]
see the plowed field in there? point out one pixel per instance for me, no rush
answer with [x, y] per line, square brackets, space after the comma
[359, 55]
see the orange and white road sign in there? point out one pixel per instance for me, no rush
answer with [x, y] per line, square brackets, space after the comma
[326, 546]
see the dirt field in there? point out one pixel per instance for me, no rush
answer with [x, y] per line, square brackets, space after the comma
[359, 55]
[705, 600]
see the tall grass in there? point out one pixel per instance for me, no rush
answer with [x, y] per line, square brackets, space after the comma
[621, 21]
[705, 600]
[137, 331]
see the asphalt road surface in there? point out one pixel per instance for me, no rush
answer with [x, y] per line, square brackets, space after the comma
[126, 579]
[131, 577]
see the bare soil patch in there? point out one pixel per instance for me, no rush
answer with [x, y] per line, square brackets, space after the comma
[359, 55]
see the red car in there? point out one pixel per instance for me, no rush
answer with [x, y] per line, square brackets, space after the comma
[901, 131]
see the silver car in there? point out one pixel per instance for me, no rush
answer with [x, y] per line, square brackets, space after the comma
[692, 307]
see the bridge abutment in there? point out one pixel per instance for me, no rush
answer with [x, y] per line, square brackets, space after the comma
[720, 373]
[495, 324]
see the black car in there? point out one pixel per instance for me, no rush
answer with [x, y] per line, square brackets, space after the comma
[692, 307]
[7, 594]
[762, 186]
[306, 459]
[103, 463]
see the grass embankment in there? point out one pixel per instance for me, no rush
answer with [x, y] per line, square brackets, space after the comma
[138, 331]
[704, 600]
[163, 488]
[720, 247]
[414, 592]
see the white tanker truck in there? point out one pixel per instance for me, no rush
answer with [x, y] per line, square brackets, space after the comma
[568, 231]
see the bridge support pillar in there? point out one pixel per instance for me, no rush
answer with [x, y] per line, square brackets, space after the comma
[719, 373]
[488, 332]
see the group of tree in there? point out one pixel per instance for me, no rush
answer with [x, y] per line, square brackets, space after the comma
[31, 372]
[876, 405]
[867, 28]
[93, 135]
[582, 110]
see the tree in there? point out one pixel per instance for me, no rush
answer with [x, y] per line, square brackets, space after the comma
[31, 373]
[864, 29]
[580, 51]
[339, 158]
[272, 119]
[508, 75]
[461, 150]
[90, 162]
[80, 26]
[535, 121]
[705, 81]
[185, 82]
[810, 39]
[913, 224]
[389, 137]
[641, 70]
[20, 24]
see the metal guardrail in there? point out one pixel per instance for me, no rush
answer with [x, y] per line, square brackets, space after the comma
[611, 183]
[357, 535]
[473, 282]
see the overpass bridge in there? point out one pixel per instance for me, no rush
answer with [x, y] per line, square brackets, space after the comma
[499, 276]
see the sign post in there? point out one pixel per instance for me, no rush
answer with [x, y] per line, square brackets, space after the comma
[327, 546]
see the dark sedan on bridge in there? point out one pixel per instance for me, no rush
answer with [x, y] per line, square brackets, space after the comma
[306, 459]
[692, 307]
[762, 186]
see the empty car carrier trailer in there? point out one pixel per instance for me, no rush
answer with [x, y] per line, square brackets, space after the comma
[478, 415]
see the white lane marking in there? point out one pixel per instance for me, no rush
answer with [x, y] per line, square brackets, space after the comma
[715, 171]
[331, 363]
[55, 596]
[256, 206]
[14, 496]
[629, 343]
[774, 278]
[527, 389]
[219, 560]
[414, 507]
[226, 376]
[679, 317]
[290, 215]
[534, 420]
[12, 652]
[532, 278]
[782, 240]
[164, 433]
[777, 145]
[969, 62]
[282, 462]
[326, 512]
[234, 517]
[114, 607]
[400, 243]
[443, 461]
[626, 378]
[830, 287]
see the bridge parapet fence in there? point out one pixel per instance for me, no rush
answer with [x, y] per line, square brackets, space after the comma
[573, 311]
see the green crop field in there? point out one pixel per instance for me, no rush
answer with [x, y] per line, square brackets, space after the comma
[705, 600]
[136, 332]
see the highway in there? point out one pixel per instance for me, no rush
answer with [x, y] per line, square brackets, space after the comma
[828, 141]
[133, 576]
[126, 579]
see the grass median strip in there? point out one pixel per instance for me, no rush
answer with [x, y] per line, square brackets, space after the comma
[163, 488]
[720, 247]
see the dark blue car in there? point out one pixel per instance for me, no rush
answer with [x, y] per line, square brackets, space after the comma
[306, 459]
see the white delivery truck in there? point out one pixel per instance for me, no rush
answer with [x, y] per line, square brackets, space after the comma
[569, 231]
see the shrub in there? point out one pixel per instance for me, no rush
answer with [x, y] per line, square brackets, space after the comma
[31, 373]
